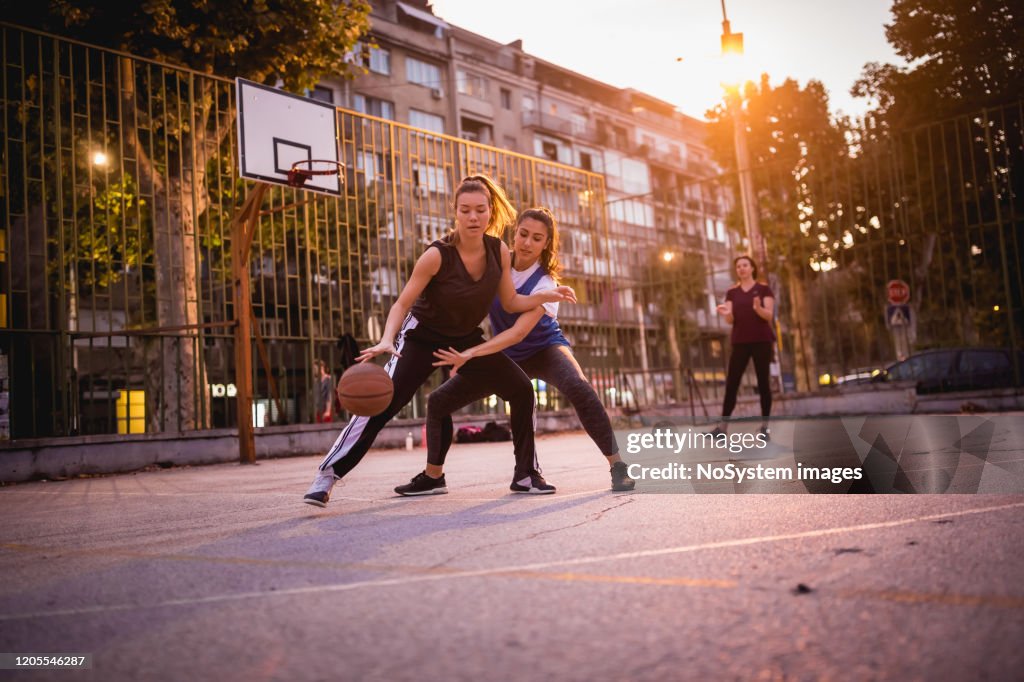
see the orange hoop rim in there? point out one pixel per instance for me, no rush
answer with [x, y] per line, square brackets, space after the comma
[298, 176]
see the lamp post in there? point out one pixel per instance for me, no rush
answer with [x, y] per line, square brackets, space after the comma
[732, 48]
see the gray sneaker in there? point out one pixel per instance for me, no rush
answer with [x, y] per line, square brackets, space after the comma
[620, 479]
[320, 491]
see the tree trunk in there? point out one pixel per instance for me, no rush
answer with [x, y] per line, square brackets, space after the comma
[804, 362]
[183, 404]
[175, 371]
[677, 359]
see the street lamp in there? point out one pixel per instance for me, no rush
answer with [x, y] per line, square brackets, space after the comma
[732, 50]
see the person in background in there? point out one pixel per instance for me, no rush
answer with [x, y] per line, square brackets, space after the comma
[323, 404]
[748, 307]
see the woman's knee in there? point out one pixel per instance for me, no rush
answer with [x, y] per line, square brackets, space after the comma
[438, 404]
[520, 392]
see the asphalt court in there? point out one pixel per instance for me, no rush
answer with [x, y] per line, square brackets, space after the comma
[142, 554]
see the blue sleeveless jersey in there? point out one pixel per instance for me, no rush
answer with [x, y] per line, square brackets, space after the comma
[545, 333]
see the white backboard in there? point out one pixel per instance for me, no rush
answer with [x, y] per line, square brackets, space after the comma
[277, 128]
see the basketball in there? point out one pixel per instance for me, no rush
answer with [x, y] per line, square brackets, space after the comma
[365, 389]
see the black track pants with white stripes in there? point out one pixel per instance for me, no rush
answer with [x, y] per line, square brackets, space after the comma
[409, 372]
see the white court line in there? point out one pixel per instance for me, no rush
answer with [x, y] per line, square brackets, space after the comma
[81, 497]
[511, 570]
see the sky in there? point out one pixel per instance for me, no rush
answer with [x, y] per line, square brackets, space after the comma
[638, 43]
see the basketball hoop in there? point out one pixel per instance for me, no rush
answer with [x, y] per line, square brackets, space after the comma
[302, 171]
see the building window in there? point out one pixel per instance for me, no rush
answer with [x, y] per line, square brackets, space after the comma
[632, 212]
[506, 99]
[472, 84]
[586, 161]
[578, 122]
[476, 131]
[380, 61]
[322, 93]
[529, 103]
[421, 119]
[549, 150]
[510, 142]
[433, 178]
[635, 178]
[431, 228]
[369, 166]
[422, 73]
[380, 108]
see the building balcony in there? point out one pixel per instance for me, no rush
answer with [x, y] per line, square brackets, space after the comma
[673, 160]
[559, 126]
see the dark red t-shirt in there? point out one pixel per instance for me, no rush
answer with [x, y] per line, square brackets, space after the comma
[747, 326]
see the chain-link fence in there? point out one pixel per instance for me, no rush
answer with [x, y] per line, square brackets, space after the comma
[119, 186]
[119, 183]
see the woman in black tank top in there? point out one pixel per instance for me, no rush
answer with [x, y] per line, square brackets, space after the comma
[441, 306]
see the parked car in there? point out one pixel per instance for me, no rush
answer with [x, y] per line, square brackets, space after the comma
[955, 369]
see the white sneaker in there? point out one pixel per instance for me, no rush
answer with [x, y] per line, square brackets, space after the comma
[320, 491]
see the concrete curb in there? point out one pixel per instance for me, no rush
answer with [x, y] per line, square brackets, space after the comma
[54, 458]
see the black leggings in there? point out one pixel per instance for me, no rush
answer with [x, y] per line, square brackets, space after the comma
[555, 365]
[491, 374]
[741, 353]
[475, 380]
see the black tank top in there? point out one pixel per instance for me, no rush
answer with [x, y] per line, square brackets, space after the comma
[453, 304]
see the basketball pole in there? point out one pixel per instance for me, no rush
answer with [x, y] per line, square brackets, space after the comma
[243, 229]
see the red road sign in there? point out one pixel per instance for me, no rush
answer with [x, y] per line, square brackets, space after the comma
[898, 292]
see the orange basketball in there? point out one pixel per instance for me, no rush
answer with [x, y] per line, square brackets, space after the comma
[365, 389]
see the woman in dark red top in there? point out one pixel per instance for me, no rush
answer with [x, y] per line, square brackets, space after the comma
[748, 308]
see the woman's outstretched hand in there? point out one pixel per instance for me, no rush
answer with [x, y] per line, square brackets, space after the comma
[381, 347]
[451, 357]
[562, 294]
[724, 308]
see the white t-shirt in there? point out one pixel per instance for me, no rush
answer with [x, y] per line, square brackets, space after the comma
[543, 284]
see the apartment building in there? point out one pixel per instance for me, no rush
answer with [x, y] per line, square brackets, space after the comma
[663, 198]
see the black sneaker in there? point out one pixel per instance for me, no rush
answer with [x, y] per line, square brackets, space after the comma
[620, 479]
[534, 485]
[765, 432]
[421, 484]
[718, 431]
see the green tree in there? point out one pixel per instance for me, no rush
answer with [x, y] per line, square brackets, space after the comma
[956, 104]
[963, 56]
[176, 123]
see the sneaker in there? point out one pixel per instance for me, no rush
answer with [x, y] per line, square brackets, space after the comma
[320, 491]
[765, 432]
[718, 431]
[620, 479]
[421, 484]
[533, 485]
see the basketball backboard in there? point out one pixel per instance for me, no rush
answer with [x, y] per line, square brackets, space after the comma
[277, 129]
